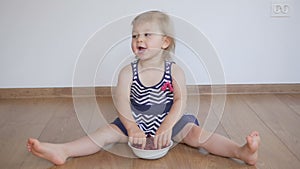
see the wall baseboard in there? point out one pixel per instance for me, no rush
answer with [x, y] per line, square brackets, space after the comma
[6, 93]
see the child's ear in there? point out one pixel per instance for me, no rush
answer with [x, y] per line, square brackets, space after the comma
[166, 43]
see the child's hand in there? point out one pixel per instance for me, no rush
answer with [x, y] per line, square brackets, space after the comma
[162, 137]
[137, 136]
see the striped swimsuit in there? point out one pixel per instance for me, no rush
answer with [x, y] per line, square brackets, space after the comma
[150, 105]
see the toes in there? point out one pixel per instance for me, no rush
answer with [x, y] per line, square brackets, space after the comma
[249, 140]
[29, 144]
[254, 133]
[30, 140]
[29, 148]
[32, 144]
[255, 137]
[252, 144]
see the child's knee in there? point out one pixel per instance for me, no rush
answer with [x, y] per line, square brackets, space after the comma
[193, 135]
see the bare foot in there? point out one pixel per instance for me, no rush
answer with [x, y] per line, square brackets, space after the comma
[249, 152]
[51, 152]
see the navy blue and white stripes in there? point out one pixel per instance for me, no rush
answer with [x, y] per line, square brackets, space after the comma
[150, 105]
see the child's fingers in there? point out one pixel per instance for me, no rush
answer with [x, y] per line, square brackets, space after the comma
[162, 140]
[138, 139]
[169, 139]
[155, 142]
[130, 140]
[158, 141]
[166, 140]
[143, 143]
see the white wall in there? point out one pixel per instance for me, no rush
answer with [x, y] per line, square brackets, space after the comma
[41, 40]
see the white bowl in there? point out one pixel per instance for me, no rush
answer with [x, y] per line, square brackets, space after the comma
[150, 154]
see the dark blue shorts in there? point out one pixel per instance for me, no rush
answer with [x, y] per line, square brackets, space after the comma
[185, 119]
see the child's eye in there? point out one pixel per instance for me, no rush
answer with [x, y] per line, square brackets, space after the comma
[147, 34]
[134, 36]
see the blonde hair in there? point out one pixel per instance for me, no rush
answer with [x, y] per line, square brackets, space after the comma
[165, 24]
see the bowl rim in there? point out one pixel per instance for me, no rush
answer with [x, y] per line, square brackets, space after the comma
[157, 150]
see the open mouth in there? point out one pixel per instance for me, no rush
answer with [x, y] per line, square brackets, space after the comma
[141, 49]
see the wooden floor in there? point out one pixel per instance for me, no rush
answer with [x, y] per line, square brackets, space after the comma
[276, 117]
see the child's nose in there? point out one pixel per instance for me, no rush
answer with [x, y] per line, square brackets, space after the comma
[141, 38]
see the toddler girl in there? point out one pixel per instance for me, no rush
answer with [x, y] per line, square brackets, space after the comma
[150, 99]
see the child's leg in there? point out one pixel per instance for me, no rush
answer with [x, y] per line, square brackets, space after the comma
[220, 145]
[58, 153]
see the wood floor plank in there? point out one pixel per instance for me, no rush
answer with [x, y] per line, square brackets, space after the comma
[105, 159]
[100, 160]
[107, 108]
[5, 106]
[25, 118]
[191, 159]
[62, 127]
[55, 120]
[279, 117]
[104, 162]
[292, 100]
[239, 120]
[201, 106]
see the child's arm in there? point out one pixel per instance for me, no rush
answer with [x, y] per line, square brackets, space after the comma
[164, 133]
[122, 103]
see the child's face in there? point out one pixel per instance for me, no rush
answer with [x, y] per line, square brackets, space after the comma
[148, 40]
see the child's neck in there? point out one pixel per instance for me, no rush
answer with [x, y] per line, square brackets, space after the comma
[155, 62]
